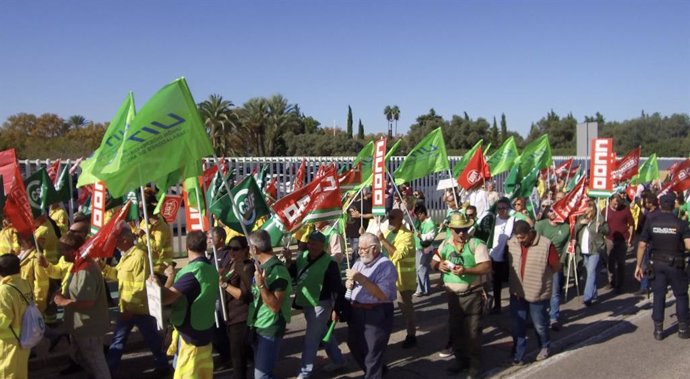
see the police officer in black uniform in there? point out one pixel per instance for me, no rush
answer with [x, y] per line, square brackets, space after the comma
[669, 237]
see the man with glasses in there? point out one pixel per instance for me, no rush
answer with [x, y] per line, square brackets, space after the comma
[463, 262]
[372, 282]
[400, 248]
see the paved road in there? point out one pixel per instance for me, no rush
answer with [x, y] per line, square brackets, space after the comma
[610, 339]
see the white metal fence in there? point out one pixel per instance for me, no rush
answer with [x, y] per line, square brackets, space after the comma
[285, 168]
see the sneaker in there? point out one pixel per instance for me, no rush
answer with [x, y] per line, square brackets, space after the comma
[418, 294]
[683, 331]
[333, 367]
[543, 354]
[410, 341]
[446, 353]
[518, 363]
[555, 325]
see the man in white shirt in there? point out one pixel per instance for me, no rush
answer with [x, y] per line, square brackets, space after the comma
[499, 267]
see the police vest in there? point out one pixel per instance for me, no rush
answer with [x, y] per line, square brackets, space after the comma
[310, 279]
[202, 309]
[464, 258]
[665, 232]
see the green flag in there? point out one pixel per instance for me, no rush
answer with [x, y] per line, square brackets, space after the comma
[536, 154]
[648, 172]
[525, 186]
[466, 159]
[275, 229]
[133, 214]
[166, 139]
[576, 178]
[366, 156]
[40, 191]
[63, 190]
[503, 158]
[367, 175]
[428, 157]
[250, 202]
[486, 150]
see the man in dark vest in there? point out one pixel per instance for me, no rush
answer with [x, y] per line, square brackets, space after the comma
[669, 237]
[318, 289]
[193, 294]
[532, 261]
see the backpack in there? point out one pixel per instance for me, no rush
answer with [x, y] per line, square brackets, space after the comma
[33, 326]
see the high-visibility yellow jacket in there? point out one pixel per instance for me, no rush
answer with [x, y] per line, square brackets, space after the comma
[131, 273]
[14, 360]
[36, 276]
[60, 217]
[161, 244]
[9, 240]
[404, 259]
[48, 241]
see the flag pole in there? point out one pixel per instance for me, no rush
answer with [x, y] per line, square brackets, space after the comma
[146, 228]
[215, 252]
[404, 206]
[353, 198]
[455, 194]
[361, 210]
[71, 192]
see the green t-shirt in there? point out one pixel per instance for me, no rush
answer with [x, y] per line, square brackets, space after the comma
[425, 227]
[685, 208]
[558, 234]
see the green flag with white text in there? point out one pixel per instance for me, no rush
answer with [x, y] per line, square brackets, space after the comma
[428, 157]
[249, 200]
[40, 191]
[166, 139]
[503, 158]
[536, 154]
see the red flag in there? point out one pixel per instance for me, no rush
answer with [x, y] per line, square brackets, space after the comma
[53, 171]
[84, 193]
[681, 176]
[299, 177]
[317, 201]
[17, 209]
[271, 189]
[103, 243]
[475, 173]
[627, 167]
[564, 168]
[566, 206]
[351, 177]
[75, 166]
[209, 174]
[171, 204]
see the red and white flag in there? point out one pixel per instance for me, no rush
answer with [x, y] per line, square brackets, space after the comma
[171, 204]
[299, 177]
[351, 177]
[317, 201]
[564, 168]
[475, 173]
[566, 206]
[627, 167]
[103, 243]
[17, 209]
[53, 170]
[271, 190]
[680, 176]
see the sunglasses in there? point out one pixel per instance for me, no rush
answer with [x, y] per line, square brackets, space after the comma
[460, 230]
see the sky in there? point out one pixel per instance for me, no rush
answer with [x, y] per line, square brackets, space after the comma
[521, 58]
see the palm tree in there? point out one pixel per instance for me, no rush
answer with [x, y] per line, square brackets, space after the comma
[254, 117]
[221, 125]
[76, 121]
[282, 117]
[388, 111]
[396, 116]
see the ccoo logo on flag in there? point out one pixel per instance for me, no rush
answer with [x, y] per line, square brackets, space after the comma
[474, 176]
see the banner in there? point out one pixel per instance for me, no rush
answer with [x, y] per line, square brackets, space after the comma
[98, 201]
[378, 198]
[317, 201]
[627, 167]
[601, 167]
[171, 204]
[248, 198]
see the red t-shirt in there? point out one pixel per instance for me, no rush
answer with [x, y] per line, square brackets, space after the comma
[552, 260]
[619, 222]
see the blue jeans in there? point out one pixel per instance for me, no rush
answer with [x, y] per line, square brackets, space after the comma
[591, 265]
[317, 323]
[555, 311]
[266, 351]
[520, 310]
[147, 328]
[423, 268]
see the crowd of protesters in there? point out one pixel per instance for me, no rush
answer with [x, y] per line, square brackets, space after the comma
[485, 242]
